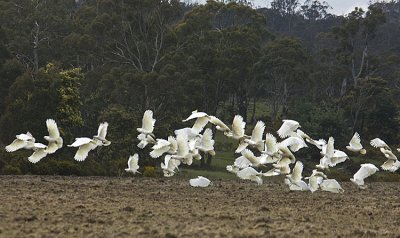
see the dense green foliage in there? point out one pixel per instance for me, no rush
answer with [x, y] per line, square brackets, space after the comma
[84, 62]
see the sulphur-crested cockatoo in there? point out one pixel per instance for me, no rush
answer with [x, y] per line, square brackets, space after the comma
[294, 180]
[144, 140]
[22, 141]
[148, 123]
[288, 126]
[294, 143]
[201, 120]
[315, 180]
[189, 132]
[159, 148]
[250, 173]
[297, 186]
[271, 146]
[219, 125]
[133, 164]
[241, 162]
[54, 138]
[86, 144]
[328, 152]
[206, 143]
[364, 172]
[256, 140]
[39, 152]
[283, 165]
[237, 131]
[355, 145]
[392, 164]
[170, 166]
[379, 143]
[331, 185]
[338, 157]
[200, 181]
[296, 174]
[102, 133]
[256, 161]
[232, 169]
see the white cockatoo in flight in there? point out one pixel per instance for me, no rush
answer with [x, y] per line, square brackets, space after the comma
[133, 164]
[86, 144]
[54, 138]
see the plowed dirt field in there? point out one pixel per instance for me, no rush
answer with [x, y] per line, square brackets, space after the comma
[48, 206]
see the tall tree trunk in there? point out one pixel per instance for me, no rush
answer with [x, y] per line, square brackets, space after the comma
[285, 106]
[203, 162]
[209, 160]
[243, 107]
[253, 116]
[36, 46]
[343, 88]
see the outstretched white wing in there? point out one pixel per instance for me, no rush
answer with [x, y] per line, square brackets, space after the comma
[195, 114]
[161, 147]
[174, 145]
[207, 142]
[183, 144]
[364, 172]
[147, 122]
[287, 127]
[16, 145]
[338, 157]
[270, 144]
[247, 173]
[37, 155]
[330, 148]
[26, 137]
[83, 151]
[355, 142]
[248, 154]
[378, 143]
[52, 128]
[52, 147]
[241, 162]
[258, 131]
[199, 124]
[219, 124]
[250, 174]
[102, 131]
[133, 163]
[238, 126]
[294, 143]
[80, 141]
[296, 172]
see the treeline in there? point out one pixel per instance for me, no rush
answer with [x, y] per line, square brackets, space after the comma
[87, 61]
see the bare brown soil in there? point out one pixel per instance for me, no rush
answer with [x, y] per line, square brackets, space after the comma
[43, 206]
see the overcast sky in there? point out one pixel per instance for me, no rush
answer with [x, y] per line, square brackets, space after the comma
[339, 7]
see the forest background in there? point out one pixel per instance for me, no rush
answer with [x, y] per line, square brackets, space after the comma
[88, 61]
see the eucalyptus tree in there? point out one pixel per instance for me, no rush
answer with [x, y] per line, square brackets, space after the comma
[223, 41]
[354, 35]
[282, 73]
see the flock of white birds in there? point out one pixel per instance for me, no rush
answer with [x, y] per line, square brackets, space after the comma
[258, 152]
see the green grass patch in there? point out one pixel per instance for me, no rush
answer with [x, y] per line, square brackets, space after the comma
[211, 174]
